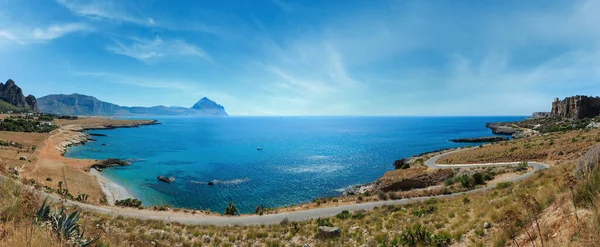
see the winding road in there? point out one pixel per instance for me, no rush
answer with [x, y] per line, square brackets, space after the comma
[191, 219]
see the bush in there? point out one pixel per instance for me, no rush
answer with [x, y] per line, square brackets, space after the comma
[260, 210]
[343, 215]
[382, 196]
[231, 209]
[358, 215]
[129, 202]
[523, 166]
[503, 185]
[478, 178]
[424, 211]
[419, 236]
[466, 181]
[324, 222]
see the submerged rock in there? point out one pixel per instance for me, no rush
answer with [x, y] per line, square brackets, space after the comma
[166, 179]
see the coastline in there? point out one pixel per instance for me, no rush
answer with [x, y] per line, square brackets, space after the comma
[51, 167]
[112, 190]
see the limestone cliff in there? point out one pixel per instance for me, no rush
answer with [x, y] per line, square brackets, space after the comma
[576, 107]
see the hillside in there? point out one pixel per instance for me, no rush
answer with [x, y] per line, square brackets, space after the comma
[77, 104]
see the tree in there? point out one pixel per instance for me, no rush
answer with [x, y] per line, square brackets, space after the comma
[231, 209]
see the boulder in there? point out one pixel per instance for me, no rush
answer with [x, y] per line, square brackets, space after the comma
[329, 232]
[206, 239]
[588, 162]
[487, 225]
[23, 158]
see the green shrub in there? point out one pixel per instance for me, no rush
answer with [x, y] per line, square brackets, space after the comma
[343, 215]
[129, 202]
[324, 222]
[503, 185]
[478, 178]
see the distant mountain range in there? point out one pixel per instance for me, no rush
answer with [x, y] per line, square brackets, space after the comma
[12, 99]
[77, 104]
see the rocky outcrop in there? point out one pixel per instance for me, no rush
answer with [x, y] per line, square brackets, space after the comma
[110, 163]
[541, 114]
[501, 129]
[482, 139]
[578, 107]
[12, 94]
[329, 232]
[588, 162]
[414, 180]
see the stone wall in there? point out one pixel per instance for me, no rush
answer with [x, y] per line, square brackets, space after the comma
[576, 107]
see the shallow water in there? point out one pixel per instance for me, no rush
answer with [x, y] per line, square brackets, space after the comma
[301, 158]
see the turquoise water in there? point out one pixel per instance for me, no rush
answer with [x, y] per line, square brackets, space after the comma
[302, 158]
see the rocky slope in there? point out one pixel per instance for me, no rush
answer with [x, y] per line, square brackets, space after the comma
[77, 104]
[12, 94]
[576, 107]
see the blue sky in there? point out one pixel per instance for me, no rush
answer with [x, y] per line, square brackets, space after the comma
[284, 57]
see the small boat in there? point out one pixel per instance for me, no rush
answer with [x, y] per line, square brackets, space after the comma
[258, 148]
[211, 183]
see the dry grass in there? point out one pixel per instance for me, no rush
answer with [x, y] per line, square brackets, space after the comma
[552, 147]
[462, 217]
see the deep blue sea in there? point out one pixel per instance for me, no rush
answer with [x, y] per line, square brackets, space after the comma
[302, 158]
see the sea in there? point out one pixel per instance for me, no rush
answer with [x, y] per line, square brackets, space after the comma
[269, 161]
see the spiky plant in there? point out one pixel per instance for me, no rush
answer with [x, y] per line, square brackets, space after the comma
[65, 226]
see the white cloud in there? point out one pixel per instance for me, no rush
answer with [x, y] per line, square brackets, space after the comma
[157, 49]
[28, 35]
[105, 9]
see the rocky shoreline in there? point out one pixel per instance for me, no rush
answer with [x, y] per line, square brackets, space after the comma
[481, 139]
[80, 136]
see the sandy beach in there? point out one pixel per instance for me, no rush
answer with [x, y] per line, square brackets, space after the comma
[48, 166]
[112, 190]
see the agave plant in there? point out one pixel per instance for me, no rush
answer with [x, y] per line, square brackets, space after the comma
[65, 226]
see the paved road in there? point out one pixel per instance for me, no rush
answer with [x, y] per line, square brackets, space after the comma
[277, 218]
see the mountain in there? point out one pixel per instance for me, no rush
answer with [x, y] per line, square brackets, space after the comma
[77, 104]
[209, 107]
[12, 94]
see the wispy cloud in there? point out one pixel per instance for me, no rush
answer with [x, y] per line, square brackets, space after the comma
[183, 88]
[105, 9]
[157, 49]
[285, 6]
[28, 35]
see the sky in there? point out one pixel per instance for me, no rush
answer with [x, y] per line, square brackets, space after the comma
[307, 57]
